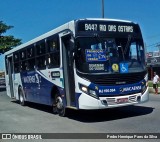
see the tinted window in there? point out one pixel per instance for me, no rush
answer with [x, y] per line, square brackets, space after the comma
[41, 62]
[23, 54]
[16, 57]
[53, 60]
[31, 64]
[53, 45]
[23, 65]
[53, 57]
[16, 67]
[30, 52]
[41, 48]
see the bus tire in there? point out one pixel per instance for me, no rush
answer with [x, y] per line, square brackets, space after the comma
[21, 98]
[54, 108]
[58, 106]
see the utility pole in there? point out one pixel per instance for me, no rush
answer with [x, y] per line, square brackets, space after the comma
[102, 8]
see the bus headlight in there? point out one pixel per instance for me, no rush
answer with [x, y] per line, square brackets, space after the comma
[84, 89]
[88, 91]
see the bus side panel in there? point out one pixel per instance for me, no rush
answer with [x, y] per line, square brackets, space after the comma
[37, 86]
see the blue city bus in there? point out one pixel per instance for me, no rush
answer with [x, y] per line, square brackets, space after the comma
[83, 64]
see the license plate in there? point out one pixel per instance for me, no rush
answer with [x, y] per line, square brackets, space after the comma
[122, 100]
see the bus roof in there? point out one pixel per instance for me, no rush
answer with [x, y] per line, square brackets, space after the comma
[106, 19]
[39, 38]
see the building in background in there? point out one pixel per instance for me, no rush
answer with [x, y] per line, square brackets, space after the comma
[153, 63]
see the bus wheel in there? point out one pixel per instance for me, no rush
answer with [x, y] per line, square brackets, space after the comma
[60, 107]
[54, 108]
[21, 97]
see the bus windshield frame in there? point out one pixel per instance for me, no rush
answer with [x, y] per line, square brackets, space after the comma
[119, 43]
[109, 55]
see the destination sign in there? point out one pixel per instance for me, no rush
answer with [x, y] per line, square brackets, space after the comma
[101, 26]
[110, 28]
[95, 55]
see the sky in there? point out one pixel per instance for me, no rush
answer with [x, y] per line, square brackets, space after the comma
[32, 18]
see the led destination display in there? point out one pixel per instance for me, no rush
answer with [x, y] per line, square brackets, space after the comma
[111, 26]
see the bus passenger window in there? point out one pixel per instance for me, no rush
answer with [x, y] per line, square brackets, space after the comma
[23, 66]
[53, 45]
[23, 55]
[53, 60]
[30, 52]
[31, 64]
[16, 67]
[41, 48]
[41, 62]
[16, 57]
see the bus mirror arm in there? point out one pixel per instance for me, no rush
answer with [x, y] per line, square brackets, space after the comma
[72, 57]
[71, 42]
[72, 50]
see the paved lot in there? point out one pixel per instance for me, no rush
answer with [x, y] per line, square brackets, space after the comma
[33, 118]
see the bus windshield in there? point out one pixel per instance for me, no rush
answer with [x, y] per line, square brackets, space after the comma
[109, 55]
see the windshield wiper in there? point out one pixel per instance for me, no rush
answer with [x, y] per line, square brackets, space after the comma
[122, 51]
[127, 45]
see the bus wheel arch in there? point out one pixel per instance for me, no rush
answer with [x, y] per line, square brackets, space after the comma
[21, 96]
[57, 103]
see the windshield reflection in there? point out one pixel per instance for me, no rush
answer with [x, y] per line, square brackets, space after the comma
[110, 55]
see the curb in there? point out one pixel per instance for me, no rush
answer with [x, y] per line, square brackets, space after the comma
[151, 90]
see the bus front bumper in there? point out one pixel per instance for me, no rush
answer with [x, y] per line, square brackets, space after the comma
[88, 102]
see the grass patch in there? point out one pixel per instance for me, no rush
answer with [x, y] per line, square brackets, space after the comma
[150, 84]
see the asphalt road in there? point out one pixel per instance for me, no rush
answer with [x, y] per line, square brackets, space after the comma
[34, 118]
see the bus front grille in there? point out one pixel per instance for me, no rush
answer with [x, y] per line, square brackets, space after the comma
[116, 79]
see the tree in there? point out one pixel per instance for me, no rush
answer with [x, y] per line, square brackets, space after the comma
[7, 42]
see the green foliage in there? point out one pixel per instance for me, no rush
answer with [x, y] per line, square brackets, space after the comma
[4, 27]
[150, 84]
[7, 42]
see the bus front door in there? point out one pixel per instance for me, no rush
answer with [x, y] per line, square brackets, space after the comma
[10, 76]
[68, 72]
